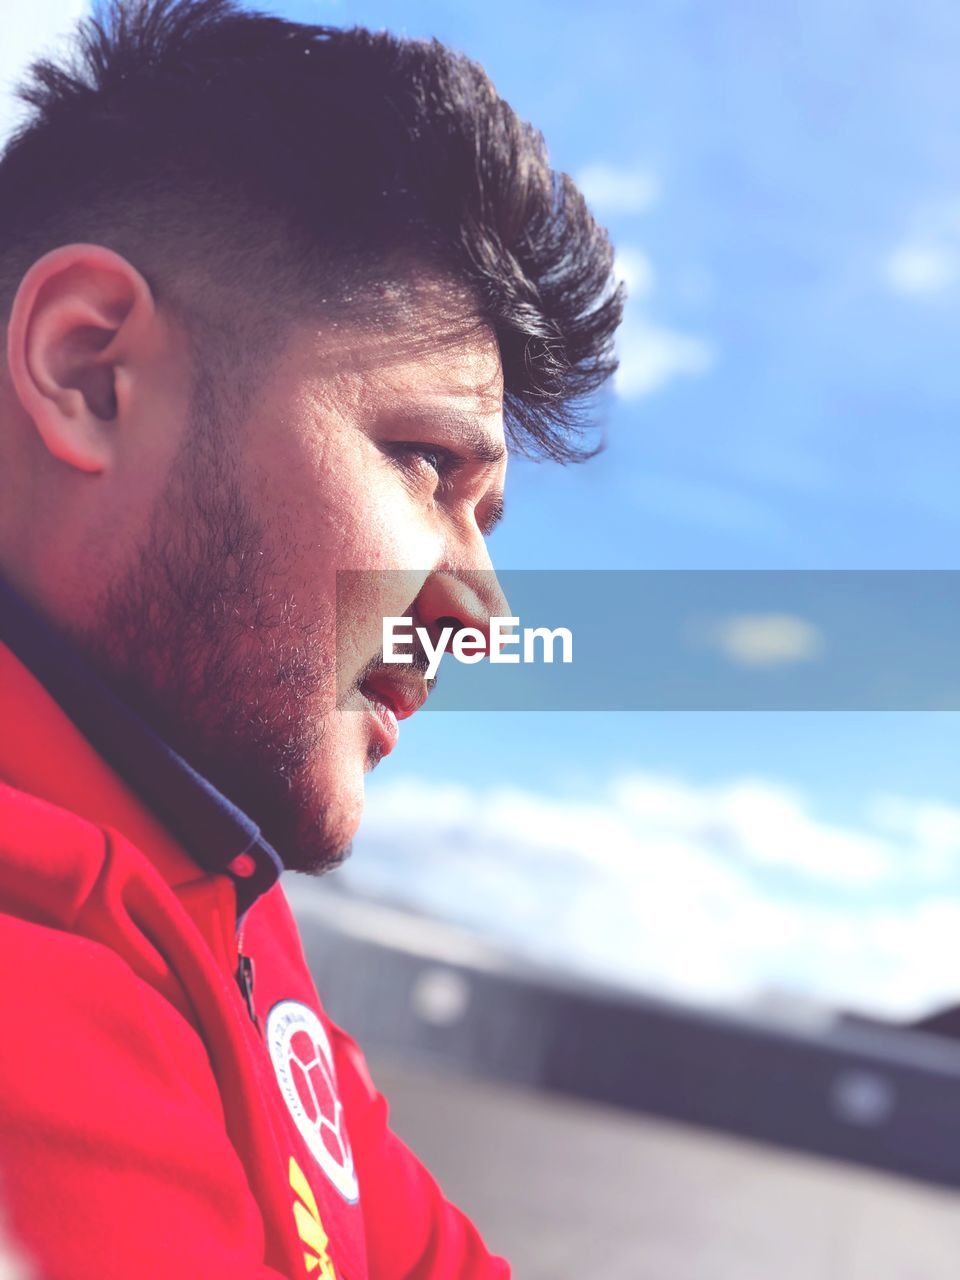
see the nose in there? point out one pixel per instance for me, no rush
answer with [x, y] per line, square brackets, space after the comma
[461, 598]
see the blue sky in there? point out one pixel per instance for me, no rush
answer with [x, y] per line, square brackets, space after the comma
[782, 184]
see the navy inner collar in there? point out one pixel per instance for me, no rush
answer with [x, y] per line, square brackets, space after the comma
[213, 831]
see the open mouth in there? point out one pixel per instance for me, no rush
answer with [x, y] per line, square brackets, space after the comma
[384, 717]
[389, 701]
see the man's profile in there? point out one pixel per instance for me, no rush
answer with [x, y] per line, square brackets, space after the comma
[277, 300]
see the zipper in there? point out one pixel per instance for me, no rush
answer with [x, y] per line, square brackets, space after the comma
[245, 977]
[245, 983]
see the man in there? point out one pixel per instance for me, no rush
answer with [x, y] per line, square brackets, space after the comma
[277, 297]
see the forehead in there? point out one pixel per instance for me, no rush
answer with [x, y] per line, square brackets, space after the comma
[465, 378]
[417, 347]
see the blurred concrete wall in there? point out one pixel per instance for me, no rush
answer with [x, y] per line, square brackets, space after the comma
[568, 1189]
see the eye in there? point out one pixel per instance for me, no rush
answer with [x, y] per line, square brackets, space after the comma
[421, 457]
[430, 455]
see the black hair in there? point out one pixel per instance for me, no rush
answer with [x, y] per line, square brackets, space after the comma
[226, 152]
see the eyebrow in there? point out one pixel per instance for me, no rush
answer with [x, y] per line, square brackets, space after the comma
[478, 445]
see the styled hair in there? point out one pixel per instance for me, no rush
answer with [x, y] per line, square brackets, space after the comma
[256, 170]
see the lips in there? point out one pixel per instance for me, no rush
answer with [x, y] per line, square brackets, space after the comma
[403, 697]
[391, 699]
[385, 725]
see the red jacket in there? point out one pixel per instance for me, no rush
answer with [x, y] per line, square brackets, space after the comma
[149, 1127]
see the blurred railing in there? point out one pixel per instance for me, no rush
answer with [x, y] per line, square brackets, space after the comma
[404, 985]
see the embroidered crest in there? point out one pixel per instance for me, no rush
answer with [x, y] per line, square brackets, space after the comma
[303, 1060]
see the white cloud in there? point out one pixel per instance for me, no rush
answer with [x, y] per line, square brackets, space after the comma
[765, 639]
[919, 268]
[613, 189]
[931, 828]
[634, 268]
[927, 260]
[759, 824]
[651, 355]
[29, 30]
[707, 892]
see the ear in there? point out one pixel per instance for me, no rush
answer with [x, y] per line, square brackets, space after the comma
[80, 318]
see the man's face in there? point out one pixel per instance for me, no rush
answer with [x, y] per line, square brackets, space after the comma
[224, 633]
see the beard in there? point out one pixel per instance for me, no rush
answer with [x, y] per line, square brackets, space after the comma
[206, 642]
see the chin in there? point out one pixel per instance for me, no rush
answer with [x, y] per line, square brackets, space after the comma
[326, 827]
[318, 862]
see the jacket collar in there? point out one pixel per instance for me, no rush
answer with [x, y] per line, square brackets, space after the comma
[218, 836]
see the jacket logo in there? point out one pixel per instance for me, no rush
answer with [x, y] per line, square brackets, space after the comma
[303, 1061]
[310, 1228]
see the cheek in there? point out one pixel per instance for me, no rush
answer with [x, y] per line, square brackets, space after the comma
[385, 528]
[338, 507]
[385, 567]
[350, 499]
[376, 550]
